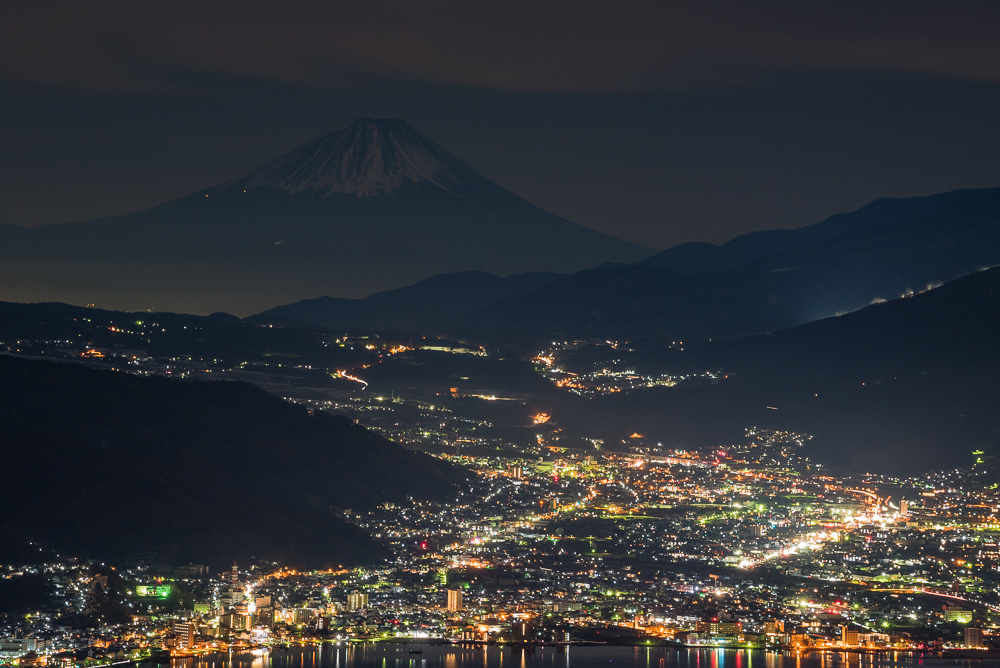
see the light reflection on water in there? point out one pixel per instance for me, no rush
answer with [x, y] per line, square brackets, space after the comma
[371, 655]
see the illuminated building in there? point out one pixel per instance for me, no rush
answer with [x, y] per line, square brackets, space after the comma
[185, 634]
[12, 647]
[454, 600]
[357, 601]
[235, 621]
[725, 628]
[958, 615]
[974, 637]
[522, 631]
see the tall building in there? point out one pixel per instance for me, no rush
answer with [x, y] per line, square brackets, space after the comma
[357, 601]
[454, 600]
[974, 637]
[903, 508]
[233, 599]
[304, 615]
[185, 634]
[521, 631]
[235, 621]
[849, 638]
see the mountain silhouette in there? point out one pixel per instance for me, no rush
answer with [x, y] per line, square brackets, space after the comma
[831, 275]
[704, 258]
[762, 281]
[370, 207]
[120, 464]
[429, 304]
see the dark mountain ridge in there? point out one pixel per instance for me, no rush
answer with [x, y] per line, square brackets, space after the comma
[904, 385]
[951, 326]
[424, 305]
[898, 387]
[706, 258]
[212, 471]
[673, 293]
[895, 387]
[844, 273]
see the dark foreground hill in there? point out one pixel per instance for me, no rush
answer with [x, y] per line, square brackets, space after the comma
[898, 387]
[910, 384]
[113, 465]
[370, 207]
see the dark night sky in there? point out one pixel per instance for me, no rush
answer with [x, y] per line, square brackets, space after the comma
[656, 122]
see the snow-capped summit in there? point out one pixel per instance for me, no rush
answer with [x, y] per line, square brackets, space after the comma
[369, 157]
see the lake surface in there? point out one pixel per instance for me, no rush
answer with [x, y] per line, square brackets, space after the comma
[371, 655]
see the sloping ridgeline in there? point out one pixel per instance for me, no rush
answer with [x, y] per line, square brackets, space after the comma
[112, 465]
[898, 388]
[834, 274]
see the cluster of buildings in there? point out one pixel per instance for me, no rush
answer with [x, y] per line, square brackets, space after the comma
[612, 375]
[749, 547]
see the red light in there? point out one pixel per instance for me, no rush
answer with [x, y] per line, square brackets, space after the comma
[423, 546]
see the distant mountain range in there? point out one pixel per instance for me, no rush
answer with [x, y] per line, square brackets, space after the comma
[883, 259]
[373, 206]
[704, 258]
[757, 282]
[426, 305]
[895, 387]
[122, 465]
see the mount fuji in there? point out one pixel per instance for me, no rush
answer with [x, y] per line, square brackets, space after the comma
[373, 206]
